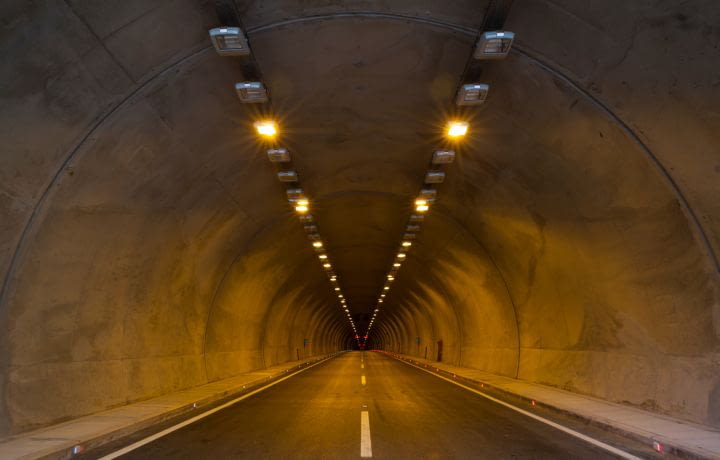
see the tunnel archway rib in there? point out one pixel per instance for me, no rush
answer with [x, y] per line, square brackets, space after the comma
[518, 48]
[583, 280]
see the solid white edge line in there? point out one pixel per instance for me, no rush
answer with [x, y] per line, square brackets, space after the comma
[365, 443]
[577, 434]
[192, 420]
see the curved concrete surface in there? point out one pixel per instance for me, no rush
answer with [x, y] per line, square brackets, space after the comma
[146, 245]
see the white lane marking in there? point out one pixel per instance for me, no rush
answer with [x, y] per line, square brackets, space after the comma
[189, 421]
[365, 444]
[577, 434]
[362, 380]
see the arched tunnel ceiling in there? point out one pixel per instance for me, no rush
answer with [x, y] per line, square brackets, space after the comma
[574, 240]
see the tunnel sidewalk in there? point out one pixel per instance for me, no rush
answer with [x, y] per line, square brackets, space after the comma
[75, 436]
[665, 434]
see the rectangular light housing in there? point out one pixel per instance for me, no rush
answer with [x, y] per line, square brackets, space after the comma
[428, 194]
[251, 92]
[416, 217]
[412, 228]
[472, 94]
[294, 194]
[287, 176]
[441, 157]
[229, 41]
[434, 177]
[310, 228]
[409, 236]
[306, 218]
[278, 155]
[494, 45]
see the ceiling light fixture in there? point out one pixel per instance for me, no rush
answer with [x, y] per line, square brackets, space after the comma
[494, 45]
[457, 129]
[229, 41]
[443, 157]
[472, 94]
[287, 176]
[251, 92]
[434, 177]
[278, 155]
[266, 128]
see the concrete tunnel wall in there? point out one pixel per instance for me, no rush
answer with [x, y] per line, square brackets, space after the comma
[147, 246]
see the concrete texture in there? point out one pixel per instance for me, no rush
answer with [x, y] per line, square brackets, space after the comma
[682, 439]
[146, 246]
[104, 429]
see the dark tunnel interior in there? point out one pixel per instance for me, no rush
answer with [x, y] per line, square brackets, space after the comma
[147, 245]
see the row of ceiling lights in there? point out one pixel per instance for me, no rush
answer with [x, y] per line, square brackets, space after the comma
[231, 41]
[491, 45]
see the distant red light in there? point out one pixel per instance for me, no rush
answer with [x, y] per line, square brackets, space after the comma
[658, 447]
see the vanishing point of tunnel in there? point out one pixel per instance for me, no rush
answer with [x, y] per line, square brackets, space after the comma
[360, 228]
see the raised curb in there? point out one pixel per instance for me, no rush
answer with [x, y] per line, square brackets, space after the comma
[657, 442]
[62, 442]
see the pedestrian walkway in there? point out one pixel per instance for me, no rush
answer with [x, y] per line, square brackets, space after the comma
[664, 433]
[75, 436]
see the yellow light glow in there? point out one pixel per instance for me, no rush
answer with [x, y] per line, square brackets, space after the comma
[266, 128]
[383, 295]
[456, 129]
[406, 244]
[396, 264]
[323, 256]
[327, 265]
[303, 202]
[420, 202]
[401, 256]
[317, 244]
[390, 277]
[422, 208]
[301, 209]
[386, 287]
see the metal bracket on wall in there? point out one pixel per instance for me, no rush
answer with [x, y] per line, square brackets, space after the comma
[494, 19]
[228, 15]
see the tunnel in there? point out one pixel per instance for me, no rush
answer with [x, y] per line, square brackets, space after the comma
[152, 241]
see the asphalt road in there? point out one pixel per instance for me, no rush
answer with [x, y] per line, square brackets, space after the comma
[409, 414]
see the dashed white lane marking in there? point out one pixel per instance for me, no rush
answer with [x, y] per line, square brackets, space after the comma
[365, 444]
[363, 380]
[189, 421]
[577, 434]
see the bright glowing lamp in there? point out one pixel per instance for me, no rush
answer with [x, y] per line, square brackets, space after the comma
[457, 129]
[266, 128]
